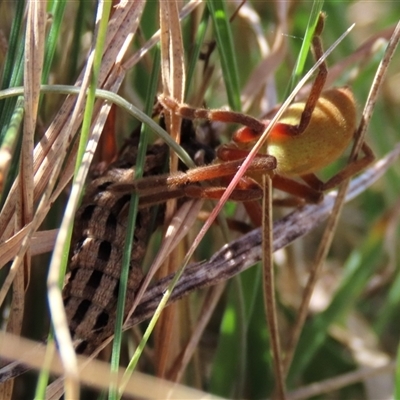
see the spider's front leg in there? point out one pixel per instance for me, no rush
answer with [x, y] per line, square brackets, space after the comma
[159, 188]
[231, 117]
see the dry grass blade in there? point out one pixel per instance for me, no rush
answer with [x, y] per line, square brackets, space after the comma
[20, 271]
[173, 82]
[338, 382]
[269, 288]
[42, 242]
[185, 11]
[141, 385]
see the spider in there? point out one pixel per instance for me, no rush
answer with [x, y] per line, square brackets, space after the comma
[309, 136]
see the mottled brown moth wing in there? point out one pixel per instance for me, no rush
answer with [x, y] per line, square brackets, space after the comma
[91, 287]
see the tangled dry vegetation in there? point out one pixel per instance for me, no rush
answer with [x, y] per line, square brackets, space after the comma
[336, 324]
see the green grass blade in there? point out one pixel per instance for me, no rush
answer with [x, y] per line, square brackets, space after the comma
[14, 45]
[79, 31]
[226, 51]
[390, 311]
[11, 144]
[397, 375]
[198, 43]
[13, 67]
[57, 12]
[298, 71]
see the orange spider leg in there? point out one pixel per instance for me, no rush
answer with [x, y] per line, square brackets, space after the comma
[351, 169]
[159, 188]
[246, 190]
[185, 111]
[208, 172]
